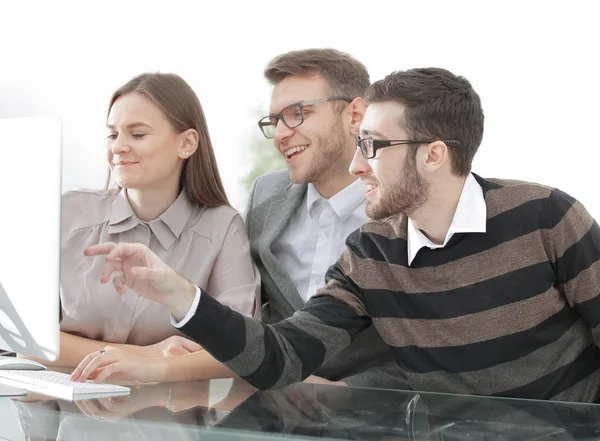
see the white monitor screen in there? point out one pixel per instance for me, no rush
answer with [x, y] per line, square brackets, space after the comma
[30, 194]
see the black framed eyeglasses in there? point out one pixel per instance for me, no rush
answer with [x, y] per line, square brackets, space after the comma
[369, 146]
[292, 116]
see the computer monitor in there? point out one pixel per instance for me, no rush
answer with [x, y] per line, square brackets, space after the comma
[30, 197]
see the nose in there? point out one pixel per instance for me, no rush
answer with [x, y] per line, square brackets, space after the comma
[282, 132]
[359, 165]
[119, 146]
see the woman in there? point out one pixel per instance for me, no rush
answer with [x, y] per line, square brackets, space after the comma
[169, 198]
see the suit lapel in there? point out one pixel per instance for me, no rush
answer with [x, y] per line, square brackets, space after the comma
[278, 218]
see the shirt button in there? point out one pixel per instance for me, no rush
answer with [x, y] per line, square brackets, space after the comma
[326, 233]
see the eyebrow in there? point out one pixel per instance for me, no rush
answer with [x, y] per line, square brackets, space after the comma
[132, 125]
[295, 103]
[284, 107]
[372, 133]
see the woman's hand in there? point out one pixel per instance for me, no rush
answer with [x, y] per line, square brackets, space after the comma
[144, 367]
[115, 363]
[171, 346]
[146, 274]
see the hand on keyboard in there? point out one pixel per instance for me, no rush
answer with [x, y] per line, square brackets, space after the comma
[122, 365]
[114, 363]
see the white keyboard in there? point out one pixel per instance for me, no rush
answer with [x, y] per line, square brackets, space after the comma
[59, 385]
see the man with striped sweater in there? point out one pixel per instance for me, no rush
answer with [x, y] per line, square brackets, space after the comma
[478, 286]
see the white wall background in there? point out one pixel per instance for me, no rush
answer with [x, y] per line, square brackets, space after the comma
[534, 64]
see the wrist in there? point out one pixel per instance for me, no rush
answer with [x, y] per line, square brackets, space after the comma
[140, 351]
[180, 308]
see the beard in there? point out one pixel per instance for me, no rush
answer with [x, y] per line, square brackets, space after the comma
[404, 196]
[328, 151]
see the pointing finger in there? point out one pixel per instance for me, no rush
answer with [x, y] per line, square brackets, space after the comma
[100, 249]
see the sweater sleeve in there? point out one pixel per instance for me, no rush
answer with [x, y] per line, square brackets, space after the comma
[575, 252]
[272, 356]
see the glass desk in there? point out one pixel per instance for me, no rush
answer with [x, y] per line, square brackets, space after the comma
[232, 410]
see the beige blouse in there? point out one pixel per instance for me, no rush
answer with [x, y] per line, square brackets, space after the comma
[207, 246]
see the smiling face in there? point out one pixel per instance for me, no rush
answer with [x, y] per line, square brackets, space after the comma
[320, 145]
[143, 147]
[394, 184]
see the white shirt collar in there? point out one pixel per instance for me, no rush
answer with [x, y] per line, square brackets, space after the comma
[344, 202]
[470, 217]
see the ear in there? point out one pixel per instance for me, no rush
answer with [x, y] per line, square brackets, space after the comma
[189, 143]
[356, 110]
[437, 156]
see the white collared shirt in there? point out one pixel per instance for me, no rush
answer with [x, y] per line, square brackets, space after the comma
[469, 217]
[313, 240]
[316, 235]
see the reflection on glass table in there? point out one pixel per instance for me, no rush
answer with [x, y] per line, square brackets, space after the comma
[192, 410]
[150, 412]
[371, 414]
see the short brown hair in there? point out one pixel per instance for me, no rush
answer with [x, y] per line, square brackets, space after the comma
[169, 92]
[345, 74]
[438, 104]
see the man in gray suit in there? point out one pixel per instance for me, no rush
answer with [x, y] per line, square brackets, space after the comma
[298, 219]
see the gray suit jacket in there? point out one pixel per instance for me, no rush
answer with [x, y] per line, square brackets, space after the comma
[273, 200]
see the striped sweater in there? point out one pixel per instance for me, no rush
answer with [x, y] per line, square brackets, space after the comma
[511, 312]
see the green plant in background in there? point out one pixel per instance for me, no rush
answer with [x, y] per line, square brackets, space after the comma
[262, 156]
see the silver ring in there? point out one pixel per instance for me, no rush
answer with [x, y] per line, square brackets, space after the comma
[102, 351]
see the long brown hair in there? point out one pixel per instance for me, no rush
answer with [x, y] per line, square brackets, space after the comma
[200, 175]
